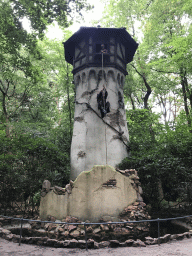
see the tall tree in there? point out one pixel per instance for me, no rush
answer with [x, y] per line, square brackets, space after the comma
[160, 76]
[60, 79]
[28, 99]
[163, 58]
[167, 36]
[19, 52]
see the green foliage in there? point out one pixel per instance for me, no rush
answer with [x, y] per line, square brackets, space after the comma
[35, 88]
[160, 144]
[166, 158]
[143, 128]
[25, 163]
[44, 12]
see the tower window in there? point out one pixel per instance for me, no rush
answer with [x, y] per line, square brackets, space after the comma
[101, 47]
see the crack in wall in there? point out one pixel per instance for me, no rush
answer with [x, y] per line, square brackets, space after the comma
[116, 119]
[86, 93]
[98, 77]
[109, 125]
[91, 93]
[118, 137]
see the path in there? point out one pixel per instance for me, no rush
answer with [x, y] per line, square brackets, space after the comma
[174, 248]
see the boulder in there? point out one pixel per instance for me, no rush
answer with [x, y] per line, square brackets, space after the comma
[73, 243]
[9, 237]
[51, 242]
[45, 187]
[96, 245]
[16, 238]
[187, 234]
[90, 243]
[129, 242]
[71, 219]
[66, 243]
[59, 190]
[68, 188]
[165, 238]
[52, 226]
[104, 244]
[75, 233]
[96, 231]
[5, 232]
[51, 234]
[71, 228]
[149, 240]
[114, 243]
[25, 240]
[104, 227]
[139, 243]
[65, 233]
[82, 244]
[51, 218]
[180, 236]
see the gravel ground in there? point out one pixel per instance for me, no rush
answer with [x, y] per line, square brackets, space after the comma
[177, 248]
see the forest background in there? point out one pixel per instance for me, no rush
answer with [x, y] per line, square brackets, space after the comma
[37, 98]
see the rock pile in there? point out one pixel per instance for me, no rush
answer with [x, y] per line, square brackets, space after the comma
[47, 240]
[132, 174]
[97, 232]
[46, 187]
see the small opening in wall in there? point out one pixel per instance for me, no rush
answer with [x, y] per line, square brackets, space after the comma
[110, 183]
[101, 47]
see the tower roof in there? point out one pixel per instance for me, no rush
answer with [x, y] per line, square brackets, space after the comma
[86, 32]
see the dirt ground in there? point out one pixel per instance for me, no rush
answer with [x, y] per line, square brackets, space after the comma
[177, 248]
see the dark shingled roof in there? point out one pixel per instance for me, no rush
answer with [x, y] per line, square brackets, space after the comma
[85, 32]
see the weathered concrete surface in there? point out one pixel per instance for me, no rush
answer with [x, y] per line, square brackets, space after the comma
[90, 198]
[98, 141]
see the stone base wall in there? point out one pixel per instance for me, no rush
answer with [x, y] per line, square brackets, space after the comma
[102, 192]
[55, 235]
[123, 193]
[70, 235]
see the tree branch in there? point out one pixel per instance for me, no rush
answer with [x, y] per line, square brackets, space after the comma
[1, 82]
[22, 100]
[162, 71]
[147, 86]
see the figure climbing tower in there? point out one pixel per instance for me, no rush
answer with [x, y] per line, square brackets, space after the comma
[99, 57]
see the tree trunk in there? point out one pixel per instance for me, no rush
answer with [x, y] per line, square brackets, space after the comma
[160, 190]
[7, 131]
[132, 101]
[147, 93]
[185, 98]
[146, 98]
[188, 91]
[69, 102]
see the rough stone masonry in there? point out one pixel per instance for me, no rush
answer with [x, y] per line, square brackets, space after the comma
[100, 193]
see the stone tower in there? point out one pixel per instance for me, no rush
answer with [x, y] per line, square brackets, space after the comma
[99, 57]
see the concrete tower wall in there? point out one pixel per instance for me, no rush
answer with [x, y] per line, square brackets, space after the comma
[98, 141]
